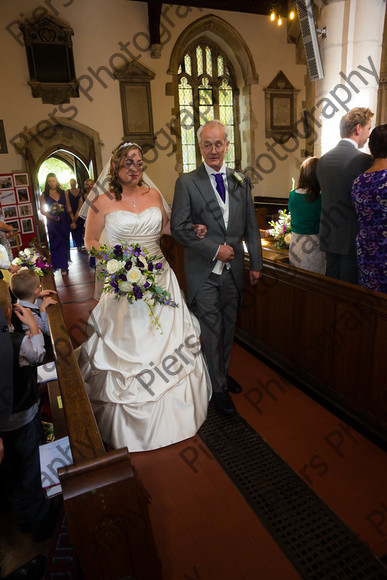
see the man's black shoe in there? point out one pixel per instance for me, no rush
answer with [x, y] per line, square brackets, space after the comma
[233, 386]
[224, 403]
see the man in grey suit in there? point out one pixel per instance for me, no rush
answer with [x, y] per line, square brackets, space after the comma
[220, 199]
[336, 171]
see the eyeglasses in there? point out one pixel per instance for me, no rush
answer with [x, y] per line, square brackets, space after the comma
[218, 145]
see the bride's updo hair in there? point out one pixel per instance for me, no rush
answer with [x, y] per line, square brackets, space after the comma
[116, 162]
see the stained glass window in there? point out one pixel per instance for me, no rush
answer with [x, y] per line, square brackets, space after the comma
[206, 91]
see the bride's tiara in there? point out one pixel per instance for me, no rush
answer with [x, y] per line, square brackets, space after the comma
[129, 144]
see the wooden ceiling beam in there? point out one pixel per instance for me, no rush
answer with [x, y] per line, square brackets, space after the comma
[262, 7]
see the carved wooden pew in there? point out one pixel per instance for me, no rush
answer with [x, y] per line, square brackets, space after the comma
[105, 504]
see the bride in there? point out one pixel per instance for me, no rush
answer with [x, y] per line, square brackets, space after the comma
[148, 389]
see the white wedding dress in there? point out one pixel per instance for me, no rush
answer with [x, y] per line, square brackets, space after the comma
[148, 389]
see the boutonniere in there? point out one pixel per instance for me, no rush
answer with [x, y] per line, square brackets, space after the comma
[238, 178]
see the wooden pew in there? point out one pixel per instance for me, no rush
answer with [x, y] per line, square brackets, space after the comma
[105, 504]
[326, 335]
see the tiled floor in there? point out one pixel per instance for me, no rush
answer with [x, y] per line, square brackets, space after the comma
[203, 527]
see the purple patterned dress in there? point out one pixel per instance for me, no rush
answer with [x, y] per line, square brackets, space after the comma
[369, 196]
[59, 235]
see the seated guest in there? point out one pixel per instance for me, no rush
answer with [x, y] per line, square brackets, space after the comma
[305, 211]
[25, 286]
[5, 251]
[22, 432]
[369, 196]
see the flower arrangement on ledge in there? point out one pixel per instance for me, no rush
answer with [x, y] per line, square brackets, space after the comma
[32, 260]
[129, 272]
[281, 229]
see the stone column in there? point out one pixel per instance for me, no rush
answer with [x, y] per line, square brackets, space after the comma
[351, 56]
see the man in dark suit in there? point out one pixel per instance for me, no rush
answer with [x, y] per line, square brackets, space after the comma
[336, 171]
[220, 199]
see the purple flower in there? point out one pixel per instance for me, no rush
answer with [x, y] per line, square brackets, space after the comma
[137, 251]
[128, 265]
[158, 266]
[146, 285]
[150, 266]
[118, 251]
[122, 277]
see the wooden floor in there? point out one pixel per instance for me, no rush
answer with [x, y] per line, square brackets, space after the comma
[202, 525]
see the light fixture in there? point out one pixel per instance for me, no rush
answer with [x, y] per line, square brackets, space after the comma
[275, 15]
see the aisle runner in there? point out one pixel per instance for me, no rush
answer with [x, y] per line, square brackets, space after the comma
[318, 544]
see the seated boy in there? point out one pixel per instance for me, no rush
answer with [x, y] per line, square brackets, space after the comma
[22, 432]
[25, 286]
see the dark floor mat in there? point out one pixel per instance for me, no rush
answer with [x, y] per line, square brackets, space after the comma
[317, 543]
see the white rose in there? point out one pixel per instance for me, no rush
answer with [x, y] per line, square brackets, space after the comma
[28, 252]
[16, 261]
[113, 266]
[134, 275]
[126, 286]
[147, 297]
[287, 238]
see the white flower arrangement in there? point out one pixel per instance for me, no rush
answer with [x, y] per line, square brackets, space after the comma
[129, 272]
[238, 178]
[31, 260]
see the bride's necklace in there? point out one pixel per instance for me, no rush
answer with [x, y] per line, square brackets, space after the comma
[134, 201]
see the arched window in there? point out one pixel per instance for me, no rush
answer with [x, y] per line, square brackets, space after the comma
[206, 91]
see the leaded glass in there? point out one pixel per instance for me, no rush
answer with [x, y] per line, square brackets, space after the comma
[185, 92]
[220, 65]
[208, 61]
[187, 64]
[199, 60]
[204, 94]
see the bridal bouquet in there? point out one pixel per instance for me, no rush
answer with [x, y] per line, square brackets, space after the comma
[30, 259]
[129, 271]
[56, 208]
[281, 229]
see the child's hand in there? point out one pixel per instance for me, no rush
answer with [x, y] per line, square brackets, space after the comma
[26, 316]
[46, 293]
[47, 300]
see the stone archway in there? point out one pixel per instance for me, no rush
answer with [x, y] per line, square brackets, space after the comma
[35, 144]
[236, 49]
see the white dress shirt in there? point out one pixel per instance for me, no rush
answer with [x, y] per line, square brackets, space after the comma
[224, 207]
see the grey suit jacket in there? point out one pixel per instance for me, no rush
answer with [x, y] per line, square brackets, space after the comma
[195, 203]
[336, 171]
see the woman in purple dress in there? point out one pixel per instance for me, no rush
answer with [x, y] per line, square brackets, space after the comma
[369, 196]
[76, 201]
[55, 205]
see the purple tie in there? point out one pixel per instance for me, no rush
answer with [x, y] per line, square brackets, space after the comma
[220, 186]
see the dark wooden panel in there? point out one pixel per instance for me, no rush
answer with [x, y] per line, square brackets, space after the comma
[327, 334]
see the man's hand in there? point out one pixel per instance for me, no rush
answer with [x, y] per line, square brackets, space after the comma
[225, 253]
[200, 230]
[254, 275]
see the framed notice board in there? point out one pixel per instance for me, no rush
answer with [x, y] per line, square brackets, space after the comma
[16, 207]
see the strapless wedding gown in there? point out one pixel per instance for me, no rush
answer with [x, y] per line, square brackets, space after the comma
[147, 389]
